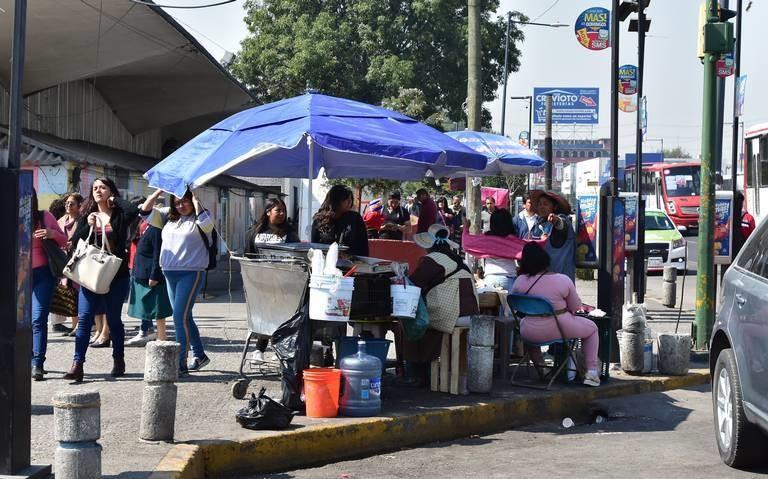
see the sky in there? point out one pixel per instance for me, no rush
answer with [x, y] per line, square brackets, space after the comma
[552, 57]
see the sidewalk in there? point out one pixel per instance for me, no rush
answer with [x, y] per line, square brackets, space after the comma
[205, 408]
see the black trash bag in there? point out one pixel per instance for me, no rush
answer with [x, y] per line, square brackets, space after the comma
[292, 343]
[263, 412]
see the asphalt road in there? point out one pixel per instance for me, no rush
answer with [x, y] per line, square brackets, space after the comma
[652, 435]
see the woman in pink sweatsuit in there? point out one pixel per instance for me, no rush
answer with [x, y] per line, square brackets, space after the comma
[535, 279]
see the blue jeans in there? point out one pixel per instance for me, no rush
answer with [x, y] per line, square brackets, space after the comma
[90, 304]
[183, 288]
[42, 290]
[500, 281]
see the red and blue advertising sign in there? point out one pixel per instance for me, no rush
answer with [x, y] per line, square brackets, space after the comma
[723, 226]
[586, 232]
[593, 28]
[628, 80]
[630, 220]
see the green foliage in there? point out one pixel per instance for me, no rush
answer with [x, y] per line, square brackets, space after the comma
[676, 152]
[372, 50]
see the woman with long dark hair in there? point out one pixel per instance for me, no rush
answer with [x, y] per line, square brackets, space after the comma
[272, 227]
[335, 221]
[44, 227]
[104, 210]
[187, 229]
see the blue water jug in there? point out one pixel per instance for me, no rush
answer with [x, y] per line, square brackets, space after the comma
[361, 384]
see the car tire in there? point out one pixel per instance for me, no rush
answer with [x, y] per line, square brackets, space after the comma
[740, 443]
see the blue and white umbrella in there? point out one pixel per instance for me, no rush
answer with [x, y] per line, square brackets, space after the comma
[296, 137]
[504, 155]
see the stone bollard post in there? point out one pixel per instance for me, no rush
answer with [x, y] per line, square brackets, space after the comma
[77, 427]
[480, 361]
[669, 287]
[158, 405]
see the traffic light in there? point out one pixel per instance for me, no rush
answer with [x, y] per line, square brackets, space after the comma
[723, 14]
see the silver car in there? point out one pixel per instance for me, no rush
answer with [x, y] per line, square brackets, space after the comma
[739, 356]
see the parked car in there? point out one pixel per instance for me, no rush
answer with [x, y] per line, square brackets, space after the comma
[738, 357]
[664, 244]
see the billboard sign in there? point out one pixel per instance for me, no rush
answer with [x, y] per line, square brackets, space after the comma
[631, 201]
[579, 106]
[628, 80]
[628, 103]
[725, 66]
[723, 227]
[586, 231]
[593, 28]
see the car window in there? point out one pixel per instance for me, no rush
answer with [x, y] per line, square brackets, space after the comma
[658, 222]
[754, 256]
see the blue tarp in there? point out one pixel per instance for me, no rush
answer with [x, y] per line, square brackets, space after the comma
[505, 156]
[349, 139]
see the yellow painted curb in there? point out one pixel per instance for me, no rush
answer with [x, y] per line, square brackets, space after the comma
[330, 442]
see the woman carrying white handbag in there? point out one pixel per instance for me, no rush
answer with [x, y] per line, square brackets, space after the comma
[104, 213]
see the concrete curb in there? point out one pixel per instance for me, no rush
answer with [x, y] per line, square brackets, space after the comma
[329, 442]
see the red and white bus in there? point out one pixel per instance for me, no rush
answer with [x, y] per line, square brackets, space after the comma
[753, 174]
[674, 188]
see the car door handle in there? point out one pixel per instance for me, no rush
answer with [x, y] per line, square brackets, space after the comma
[740, 300]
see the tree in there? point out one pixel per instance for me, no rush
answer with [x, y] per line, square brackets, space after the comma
[676, 152]
[370, 50]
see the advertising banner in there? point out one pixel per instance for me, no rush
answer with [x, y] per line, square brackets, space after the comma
[586, 231]
[644, 116]
[631, 221]
[628, 103]
[725, 66]
[618, 253]
[741, 90]
[578, 106]
[723, 227]
[628, 80]
[24, 261]
[593, 28]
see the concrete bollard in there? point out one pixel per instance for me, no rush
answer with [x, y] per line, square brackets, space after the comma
[480, 369]
[631, 351]
[670, 274]
[158, 405]
[669, 287]
[481, 330]
[77, 427]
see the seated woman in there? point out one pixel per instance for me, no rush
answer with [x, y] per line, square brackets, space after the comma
[449, 290]
[335, 221]
[271, 228]
[534, 278]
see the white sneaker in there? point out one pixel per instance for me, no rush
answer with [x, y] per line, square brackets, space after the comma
[257, 357]
[141, 339]
[592, 378]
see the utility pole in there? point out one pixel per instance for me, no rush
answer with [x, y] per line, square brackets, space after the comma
[548, 145]
[717, 40]
[735, 141]
[720, 119]
[474, 104]
[639, 256]
[506, 74]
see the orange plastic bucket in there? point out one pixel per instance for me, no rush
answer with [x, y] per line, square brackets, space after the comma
[321, 391]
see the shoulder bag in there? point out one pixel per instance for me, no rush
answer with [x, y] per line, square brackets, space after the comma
[57, 258]
[91, 267]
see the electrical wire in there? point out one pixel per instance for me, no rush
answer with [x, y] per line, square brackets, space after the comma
[547, 10]
[152, 4]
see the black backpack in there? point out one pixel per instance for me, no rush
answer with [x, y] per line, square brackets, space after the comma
[212, 247]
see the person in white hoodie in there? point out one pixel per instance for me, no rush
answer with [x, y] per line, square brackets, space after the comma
[187, 230]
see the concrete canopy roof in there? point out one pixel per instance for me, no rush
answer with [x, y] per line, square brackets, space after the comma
[150, 70]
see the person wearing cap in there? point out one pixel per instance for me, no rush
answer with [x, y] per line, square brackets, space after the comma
[374, 218]
[554, 226]
[448, 288]
[395, 218]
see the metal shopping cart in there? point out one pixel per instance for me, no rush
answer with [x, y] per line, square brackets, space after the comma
[274, 286]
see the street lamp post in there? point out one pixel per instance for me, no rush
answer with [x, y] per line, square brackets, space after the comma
[506, 64]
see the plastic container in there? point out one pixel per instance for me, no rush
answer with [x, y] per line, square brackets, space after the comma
[330, 297]
[405, 300]
[347, 346]
[361, 373]
[321, 391]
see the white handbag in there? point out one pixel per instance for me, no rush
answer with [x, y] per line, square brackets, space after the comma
[91, 267]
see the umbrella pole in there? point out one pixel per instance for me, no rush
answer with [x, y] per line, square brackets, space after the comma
[311, 175]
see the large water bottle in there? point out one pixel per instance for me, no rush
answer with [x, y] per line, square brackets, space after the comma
[361, 384]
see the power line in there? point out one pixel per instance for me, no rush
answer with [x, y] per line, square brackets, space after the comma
[547, 10]
[152, 4]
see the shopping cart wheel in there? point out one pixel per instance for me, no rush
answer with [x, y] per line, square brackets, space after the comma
[239, 388]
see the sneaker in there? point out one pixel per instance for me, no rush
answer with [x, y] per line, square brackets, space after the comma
[198, 363]
[141, 339]
[183, 373]
[592, 378]
[257, 356]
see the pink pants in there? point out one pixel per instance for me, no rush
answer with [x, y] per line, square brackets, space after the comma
[540, 330]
